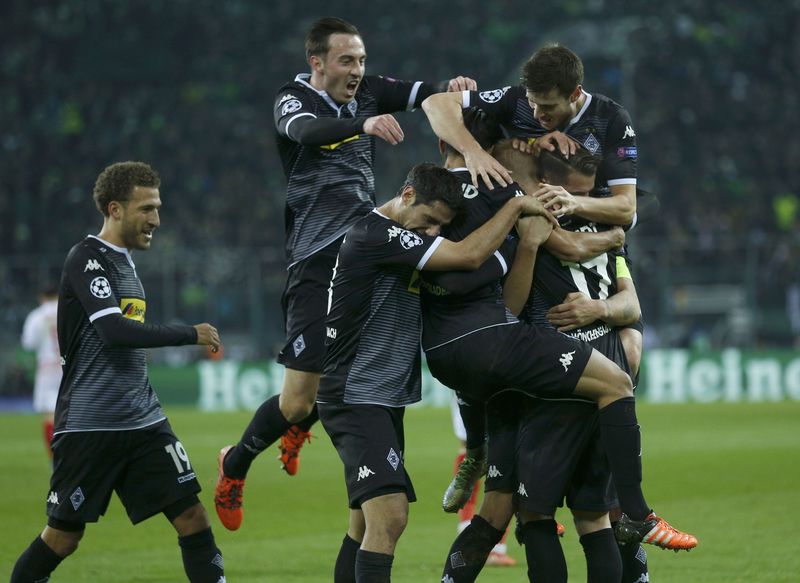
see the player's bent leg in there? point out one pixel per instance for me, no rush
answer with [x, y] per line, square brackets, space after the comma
[603, 561]
[603, 381]
[632, 345]
[202, 559]
[297, 406]
[45, 553]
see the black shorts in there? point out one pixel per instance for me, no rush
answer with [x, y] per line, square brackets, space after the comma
[305, 306]
[370, 440]
[530, 359]
[148, 468]
[559, 453]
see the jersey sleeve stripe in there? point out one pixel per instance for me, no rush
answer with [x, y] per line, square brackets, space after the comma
[617, 181]
[288, 123]
[429, 252]
[413, 96]
[464, 99]
[502, 261]
[622, 268]
[105, 312]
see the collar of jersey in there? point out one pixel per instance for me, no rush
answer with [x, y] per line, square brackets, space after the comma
[575, 119]
[116, 248]
[302, 78]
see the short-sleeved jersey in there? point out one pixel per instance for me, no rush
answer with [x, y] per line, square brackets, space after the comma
[373, 324]
[603, 127]
[102, 388]
[40, 335]
[331, 186]
[447, 316]
[554, 279]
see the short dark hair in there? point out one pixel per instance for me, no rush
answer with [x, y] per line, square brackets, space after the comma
[555, 168]
[433, 183]
[521, 164]
[553, 66]
[484, 128]
[117, 182]
[318, 37]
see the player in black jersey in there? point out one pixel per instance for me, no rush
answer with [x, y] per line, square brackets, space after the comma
[372, 366]
[110, 432]
[326, 124]
[552, 99]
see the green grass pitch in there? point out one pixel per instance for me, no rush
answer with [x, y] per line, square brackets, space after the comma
[728, 473]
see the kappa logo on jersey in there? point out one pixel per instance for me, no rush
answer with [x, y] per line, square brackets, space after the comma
[591, 144]
[407, 239]
[393, 459]
[93, 265]
[100, 288]
[521, 490]
[629, 133]
[291, 106]
[299, 345]
[77, 498]
[52, 498]
[566, 359]
[363, 473]
[469, 191]
[494, 472]
[133, 308]
[494, 95]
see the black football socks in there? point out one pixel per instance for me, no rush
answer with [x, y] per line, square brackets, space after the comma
[36, 563]
[266, 427]
[619, 432]
[603, 561]
[345, 569]
[469, 551]
[202, 560]
[373, 567]
[546, 562]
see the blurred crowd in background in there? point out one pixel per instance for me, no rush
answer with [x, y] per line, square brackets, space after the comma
[188, 87]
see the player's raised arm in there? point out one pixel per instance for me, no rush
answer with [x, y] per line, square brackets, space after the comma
[577, 246]
[444, 114]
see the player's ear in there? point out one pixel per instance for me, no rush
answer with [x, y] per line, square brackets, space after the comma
[316, 63]
[576, 94]
[408, 195]
[114, 209]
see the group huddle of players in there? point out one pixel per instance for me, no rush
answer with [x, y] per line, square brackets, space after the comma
[506, 262]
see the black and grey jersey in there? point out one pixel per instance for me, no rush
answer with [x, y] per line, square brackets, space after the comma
[373, 324]
[603, 126]
[330, 186]
[102, 388]
[555, 278]
[447, 316]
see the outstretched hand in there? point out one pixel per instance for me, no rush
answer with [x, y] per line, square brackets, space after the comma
[384, 127]
[207, 335]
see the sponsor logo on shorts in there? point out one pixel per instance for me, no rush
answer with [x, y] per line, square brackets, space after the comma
[52, 498]
[493, 472]
[77, 498]
[186, 477]
[393, 459]
[591, 144]
[93, 265]
[363, 473]
[521, 490]
[566, 359]
[299, 345]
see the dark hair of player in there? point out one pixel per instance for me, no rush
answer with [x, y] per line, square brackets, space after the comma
[433, 183]
[555, 168]
[553, 66]
[117, 182]
[318, 37]
[484, 128]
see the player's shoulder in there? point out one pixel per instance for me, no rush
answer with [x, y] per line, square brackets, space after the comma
[91, 252]
[298, 88]
[604, 106]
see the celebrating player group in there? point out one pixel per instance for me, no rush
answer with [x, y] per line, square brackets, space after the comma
[507, 260]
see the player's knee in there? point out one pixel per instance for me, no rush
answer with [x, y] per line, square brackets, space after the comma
[191, 520]
[297, 408]
[63, 543]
